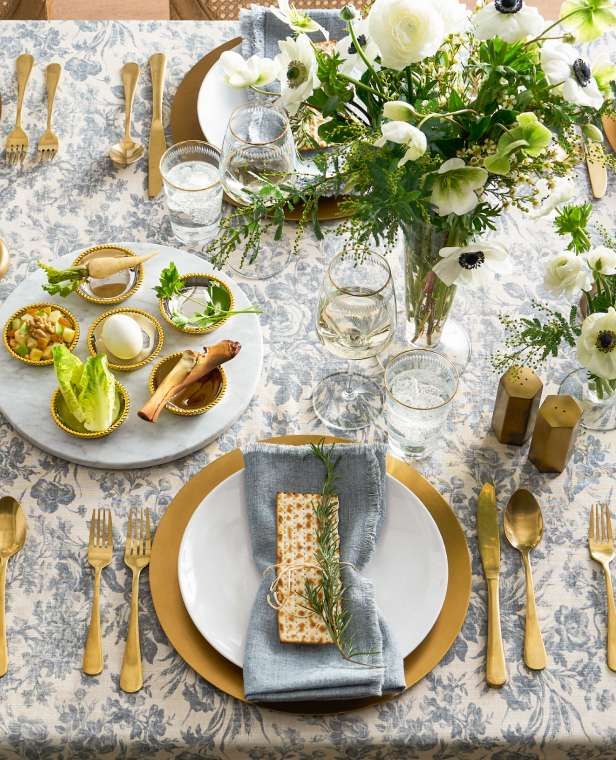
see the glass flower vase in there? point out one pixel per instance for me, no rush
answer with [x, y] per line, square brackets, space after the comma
[597, 397]
[428, 300]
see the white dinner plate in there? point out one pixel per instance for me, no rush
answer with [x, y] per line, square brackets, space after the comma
[219, 580]
[215, 104]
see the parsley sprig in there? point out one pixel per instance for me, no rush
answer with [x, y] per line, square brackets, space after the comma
[171, 284]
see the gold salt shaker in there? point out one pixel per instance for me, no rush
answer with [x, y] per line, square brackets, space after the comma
[517, 401]
[556, 428]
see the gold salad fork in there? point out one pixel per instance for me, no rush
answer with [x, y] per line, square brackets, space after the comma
[136, 557]
[601, 545]
[100, 552]
[16, 145]
[48, 144]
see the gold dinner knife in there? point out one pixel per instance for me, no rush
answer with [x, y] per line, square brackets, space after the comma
[609, 127]
[488, 534]
[157, 145]
[597, 170]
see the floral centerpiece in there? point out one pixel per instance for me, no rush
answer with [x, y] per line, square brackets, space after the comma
[586, 274]
[437, 120]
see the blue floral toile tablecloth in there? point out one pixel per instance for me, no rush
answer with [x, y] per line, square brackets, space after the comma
[48, 709]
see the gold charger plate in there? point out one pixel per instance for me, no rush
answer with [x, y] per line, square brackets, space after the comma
[208, 663]
[185, 124]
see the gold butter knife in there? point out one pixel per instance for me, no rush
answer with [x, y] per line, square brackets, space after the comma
[609, 127]
[157, 145]
[488, 534]
[597, 170]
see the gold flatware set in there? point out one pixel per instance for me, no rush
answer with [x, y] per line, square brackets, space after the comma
[17, 142]
[523, 527]
[12, 538]
[601, 547]
[137, 554]
[128, 151]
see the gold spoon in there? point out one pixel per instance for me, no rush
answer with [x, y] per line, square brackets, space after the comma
[523, 524]
[12, 537]
[4, 259]
[127, 151]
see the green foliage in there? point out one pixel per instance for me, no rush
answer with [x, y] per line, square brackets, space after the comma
[62, 282]
[573, 221]
[326, 598]
[170, 283]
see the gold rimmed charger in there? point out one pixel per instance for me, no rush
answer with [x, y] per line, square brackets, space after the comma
[208, 663]
[149, 327]
[185, 123]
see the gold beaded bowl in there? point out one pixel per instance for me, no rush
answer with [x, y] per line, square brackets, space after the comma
[113, 289]
[47, 310]
[199, 290]
[58, 408]
[197, 398]
[151, 331]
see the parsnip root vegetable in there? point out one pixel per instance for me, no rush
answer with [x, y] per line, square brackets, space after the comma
[190, 368]
[102, 267]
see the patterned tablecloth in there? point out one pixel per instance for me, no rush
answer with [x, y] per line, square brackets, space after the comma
[48, 708]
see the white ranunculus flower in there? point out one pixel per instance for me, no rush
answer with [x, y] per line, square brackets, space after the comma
[404, 134]
[561, 194]
[299, 21]
[511, 20]
[254, 71]
[353, 65]
[602, 259]
[596, 348]
[567, 273]
[297, 65]
[473, 264]
[405, 31]
[454, 186]
[562, 65]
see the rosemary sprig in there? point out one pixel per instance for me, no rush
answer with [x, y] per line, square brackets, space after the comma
[326, 598]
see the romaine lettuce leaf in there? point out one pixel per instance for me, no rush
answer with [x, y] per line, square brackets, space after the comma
[69, 370]
[97, 394]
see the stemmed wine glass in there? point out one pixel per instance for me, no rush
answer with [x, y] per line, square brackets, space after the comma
[356, 319]
[258, 148]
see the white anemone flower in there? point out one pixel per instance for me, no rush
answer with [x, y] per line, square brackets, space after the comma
[353, 65]
[562, 65]
[473, 264]
[567, 273]
[407, 31]
[602, 259]
[404, 134]
[511, 20]
[253, 72]
[454, 186]
[596, 348]
[299, 21]
[297, 65]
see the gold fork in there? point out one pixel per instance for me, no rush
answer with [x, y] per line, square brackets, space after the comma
[601, 545]
[136, 557]
[17, 142]
[100, 552]
[48, 144]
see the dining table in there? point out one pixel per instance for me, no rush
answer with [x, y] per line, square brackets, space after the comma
[48, 707]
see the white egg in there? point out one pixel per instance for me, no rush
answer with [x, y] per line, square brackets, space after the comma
[122, 336]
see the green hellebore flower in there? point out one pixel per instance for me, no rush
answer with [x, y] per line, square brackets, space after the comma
[398, 110]
[530, 136]
[589, 19]
[604, 72]
[594, 134]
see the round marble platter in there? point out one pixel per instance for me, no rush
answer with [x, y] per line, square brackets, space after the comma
[26, 390]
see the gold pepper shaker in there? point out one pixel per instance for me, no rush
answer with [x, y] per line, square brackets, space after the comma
[517, 401]
[556, 429]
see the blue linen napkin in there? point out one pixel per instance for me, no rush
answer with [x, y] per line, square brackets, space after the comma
[261, 30]
[274, 671]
